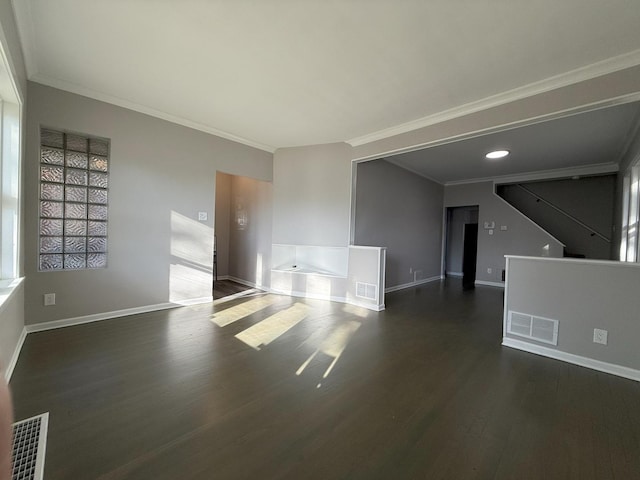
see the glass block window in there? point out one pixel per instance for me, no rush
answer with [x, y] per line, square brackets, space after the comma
[74, 193]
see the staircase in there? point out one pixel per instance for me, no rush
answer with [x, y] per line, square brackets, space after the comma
[578, 215]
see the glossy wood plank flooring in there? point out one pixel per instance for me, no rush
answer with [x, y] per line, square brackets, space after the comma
[422, 390]
[224, 288]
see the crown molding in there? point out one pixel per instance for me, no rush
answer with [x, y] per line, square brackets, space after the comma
[604, 67]
[585, 170]
[412, 170]
[27, 34]
[120, 102]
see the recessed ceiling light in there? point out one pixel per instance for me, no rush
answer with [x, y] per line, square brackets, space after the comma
[497, 154]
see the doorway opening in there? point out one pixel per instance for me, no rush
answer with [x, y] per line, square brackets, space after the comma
[242, 236]
[461, 250]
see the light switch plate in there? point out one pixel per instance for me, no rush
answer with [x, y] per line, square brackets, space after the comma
[49, 299]
[202, 216]
[600, 336]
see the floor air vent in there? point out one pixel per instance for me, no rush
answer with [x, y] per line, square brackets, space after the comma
[535, 328]
[366, 290]
[29, 445]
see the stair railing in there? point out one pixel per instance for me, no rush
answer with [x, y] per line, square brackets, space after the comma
[566, 214]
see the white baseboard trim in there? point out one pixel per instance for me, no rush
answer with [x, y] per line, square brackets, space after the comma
[16, 353]
[489, 284]
[96, 317]
[193, 301]
[368, 306]
[223, 277]
[246, 283]
[598, 365]
[413, 284]
[317, 296]
[455, 274]
[314, 296]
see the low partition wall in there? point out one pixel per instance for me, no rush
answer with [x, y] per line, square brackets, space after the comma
[351, 274]
[584, 312]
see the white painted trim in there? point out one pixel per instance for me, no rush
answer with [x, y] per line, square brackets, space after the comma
[610, 102]
[587, 72]
[505, 298]
[591, 363]
[489, 284]
[395, 288]
[246, 283]
[136, 107]
[584, 170]
[223, 277]
[366, 247]
[368, 306]
[42, 447]
[584, 261]
[315, 296]
[8, 289]
[298, 272]
[454, 274]
[412, 170]
[26, 32]
[16, 354]
[194, 301]
[96, 317]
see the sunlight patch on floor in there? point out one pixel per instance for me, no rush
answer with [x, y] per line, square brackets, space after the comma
[270, 328]
[242, 310]
[333, 345]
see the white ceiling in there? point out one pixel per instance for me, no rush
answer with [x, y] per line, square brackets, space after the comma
[277, 73]
[599, 137]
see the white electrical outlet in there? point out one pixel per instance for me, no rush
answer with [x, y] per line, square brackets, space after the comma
[489, 270]
[49, 299]
[410, 270]
[202, 216]
[503, 227]
[600, 336]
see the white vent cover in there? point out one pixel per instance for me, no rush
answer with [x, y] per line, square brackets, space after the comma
[535, 328]
[366, 290]
[29, 445]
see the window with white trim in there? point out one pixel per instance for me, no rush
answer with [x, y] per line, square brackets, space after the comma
[630, 216]
[74, 193]
[9, 179]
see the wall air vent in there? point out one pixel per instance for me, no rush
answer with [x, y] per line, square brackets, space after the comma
[29, 444]
[535, 328]
[366, 290]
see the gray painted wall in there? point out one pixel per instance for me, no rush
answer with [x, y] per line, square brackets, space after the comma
[459, 216]
[250, 242]
[581, 296]
[402, 211]
[223, 210]
[161, 176]
[522, 236]
[312, 195]
[589, 200]
[12, 310]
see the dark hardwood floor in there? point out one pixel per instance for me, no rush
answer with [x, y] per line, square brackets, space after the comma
[225, 288]
[422, 390]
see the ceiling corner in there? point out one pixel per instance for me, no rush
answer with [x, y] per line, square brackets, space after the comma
[26, 32]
